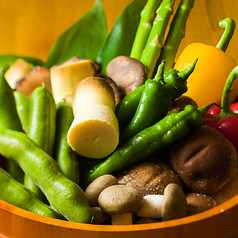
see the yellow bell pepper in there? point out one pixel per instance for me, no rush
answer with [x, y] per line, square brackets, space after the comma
[206, 83]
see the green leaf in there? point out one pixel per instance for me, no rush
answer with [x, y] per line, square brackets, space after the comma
[7, 60]
[120, 40]
[83, 39]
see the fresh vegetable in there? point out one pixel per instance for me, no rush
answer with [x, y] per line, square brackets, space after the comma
[153, 106]
[121, 38]
[213, 67]
[63, 194]
[226, 122]
[149, 140]
[176, 33]
[126, 108]
[65, 157]
[41, 127]
[155, 39]
[94, 132]
[16, 194]
[147, 16]
[22, 106]
[16, 71]
[66, 76]
[9, 119]
[149, 45]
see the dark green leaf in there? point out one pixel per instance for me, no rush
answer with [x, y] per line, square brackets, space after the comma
[121, 37]
[83, 39]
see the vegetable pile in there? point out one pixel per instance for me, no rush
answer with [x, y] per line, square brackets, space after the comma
[102, 135]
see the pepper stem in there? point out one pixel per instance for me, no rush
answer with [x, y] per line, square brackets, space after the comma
[202, 110]
[228, 25]
[183, 75]
[160, 72]
[225, 100]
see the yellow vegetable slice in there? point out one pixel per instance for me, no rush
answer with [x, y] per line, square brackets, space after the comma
[94, 132]
[16, 71]
[66, 76]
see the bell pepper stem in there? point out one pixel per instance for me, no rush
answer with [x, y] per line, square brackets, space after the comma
[144, 27]
[225, 100]
[155, 40]
[228, 25]
[176, 33]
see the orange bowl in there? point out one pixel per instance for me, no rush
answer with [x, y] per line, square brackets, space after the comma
[219, 222]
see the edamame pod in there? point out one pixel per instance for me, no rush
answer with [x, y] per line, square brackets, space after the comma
[41, 127]
[18, 195]
[22, 106]
[9, 119]
[63, 153]
[63, 194]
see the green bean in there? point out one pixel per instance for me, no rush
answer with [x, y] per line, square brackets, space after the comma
[18, 195]
[63, 194]
[63, 153]
[41, 127]
[9, 119]
[22, 106]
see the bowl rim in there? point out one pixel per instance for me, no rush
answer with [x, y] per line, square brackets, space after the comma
[219, 209]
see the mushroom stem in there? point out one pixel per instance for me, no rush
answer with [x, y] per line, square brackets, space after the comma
[122, 219]
[152, 206]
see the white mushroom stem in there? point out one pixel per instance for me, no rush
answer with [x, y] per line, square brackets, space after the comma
[151, 207]
[122, 219]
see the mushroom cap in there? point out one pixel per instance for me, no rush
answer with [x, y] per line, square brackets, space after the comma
[119, 199]
[199, 203]
[97, 186]
[174, 204]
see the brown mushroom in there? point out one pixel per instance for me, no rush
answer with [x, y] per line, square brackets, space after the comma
[199, 203]
[174, 204]
[149, 177]
[99, 216]
[205, 160]
[97, 186]
[127, 72]
[120, 201]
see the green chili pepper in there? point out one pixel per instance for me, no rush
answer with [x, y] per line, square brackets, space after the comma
[126, 108]
[41, 127]
[63, 153]
[22, 106]
[148, 141]
[9, 119]
[63, 194]
[153, 106]
[18, 195]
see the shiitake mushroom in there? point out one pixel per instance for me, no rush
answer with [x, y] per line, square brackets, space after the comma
[205, 160]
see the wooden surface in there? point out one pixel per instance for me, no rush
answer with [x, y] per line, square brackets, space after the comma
[31, 27]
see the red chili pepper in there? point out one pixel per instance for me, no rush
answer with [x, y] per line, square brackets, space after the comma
[226, 122]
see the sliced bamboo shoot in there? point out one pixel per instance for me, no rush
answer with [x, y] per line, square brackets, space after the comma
[16, 71]
[66, 76]
[94, 132]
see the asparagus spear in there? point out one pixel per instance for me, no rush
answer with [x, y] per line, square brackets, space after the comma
[176, 33]
[155, 40]
[144, 27]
